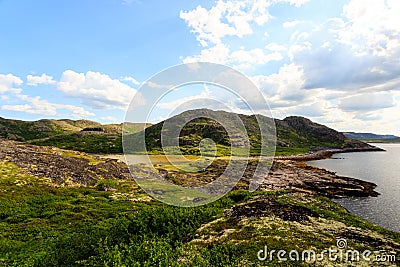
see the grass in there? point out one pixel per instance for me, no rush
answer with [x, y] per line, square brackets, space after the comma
[90, 143]
[42, 225]
[45, 225]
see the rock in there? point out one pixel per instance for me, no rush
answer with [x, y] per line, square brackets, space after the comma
[266, 207]
[53, 164]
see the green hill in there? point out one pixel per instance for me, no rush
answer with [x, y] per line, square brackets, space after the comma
[79, 135]
[295, 135]
[370, 137]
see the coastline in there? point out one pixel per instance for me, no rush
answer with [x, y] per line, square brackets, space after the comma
[322, 181]
[286, 173]
[324, 154]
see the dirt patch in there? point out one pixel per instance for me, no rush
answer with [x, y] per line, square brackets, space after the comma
[266, 207]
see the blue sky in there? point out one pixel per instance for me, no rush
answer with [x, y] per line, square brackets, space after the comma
[336, 62]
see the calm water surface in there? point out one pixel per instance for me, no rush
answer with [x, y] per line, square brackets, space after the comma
[381, 168]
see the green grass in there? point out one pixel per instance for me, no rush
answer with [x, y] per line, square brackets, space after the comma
[42, 225]
[289, 151]
[90, 143]
[45, 225]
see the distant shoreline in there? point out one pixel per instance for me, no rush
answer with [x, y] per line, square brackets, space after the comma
[324, 154]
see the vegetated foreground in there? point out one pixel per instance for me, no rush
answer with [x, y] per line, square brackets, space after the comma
[92, 213]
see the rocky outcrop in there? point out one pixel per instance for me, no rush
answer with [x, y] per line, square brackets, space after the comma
[285, 174]
[267, 206]
[61, 165]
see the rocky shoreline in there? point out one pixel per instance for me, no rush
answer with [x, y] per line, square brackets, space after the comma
[328, 184]
[287, 173]
[324, 154]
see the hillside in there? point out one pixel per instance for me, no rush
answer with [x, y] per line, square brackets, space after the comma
[371, 136]
[295, 135]
[392, 140]
[29, 130]
[65, 208]
[80, 135]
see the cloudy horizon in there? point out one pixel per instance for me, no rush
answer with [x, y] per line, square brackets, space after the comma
[334, 62]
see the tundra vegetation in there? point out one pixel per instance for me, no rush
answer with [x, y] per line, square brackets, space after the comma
[63, 207]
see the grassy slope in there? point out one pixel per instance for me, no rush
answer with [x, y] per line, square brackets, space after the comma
[295, 135]
[67, 134]
[45, 225]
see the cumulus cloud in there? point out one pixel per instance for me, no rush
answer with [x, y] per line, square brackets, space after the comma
[285, 87]
[226, 18]
[7, 83]
[233, 19]
[240, 59]
[361, 49]
[131, 79]
[43, 79]
[96, 90]
[230, 18]
[36, 105]
[343, 71]
[374, 27]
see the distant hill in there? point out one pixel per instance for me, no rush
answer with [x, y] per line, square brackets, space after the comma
[29, 130]
[369, 136]
[80, 135]
[295, 135]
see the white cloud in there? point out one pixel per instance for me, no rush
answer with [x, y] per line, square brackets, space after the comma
[96, 90]
[230, 18]
[43, 79]
[216, 54]
[234, 19]
[240, 59]
[290, 24]
[359, 50]
[7, 83]
[131, 79]
[343, 72]
[283, 88]
[226, 18]
[36, 105]
[367, 102]
[374, 27]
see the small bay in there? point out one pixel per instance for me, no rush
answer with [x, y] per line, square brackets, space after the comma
[381, 168]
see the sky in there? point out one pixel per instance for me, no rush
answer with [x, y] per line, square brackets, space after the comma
[336, 62]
